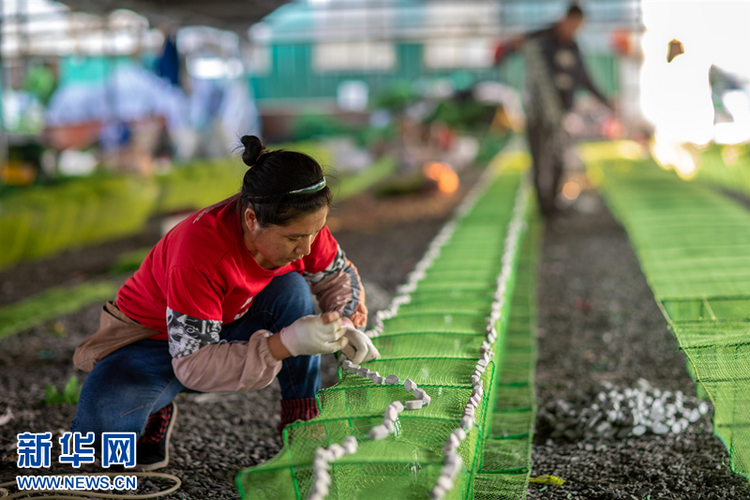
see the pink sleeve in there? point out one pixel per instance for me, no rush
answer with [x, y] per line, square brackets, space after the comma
[342, 291]
[229, 366]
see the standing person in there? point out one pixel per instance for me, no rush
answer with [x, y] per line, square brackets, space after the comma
[223, 303]
[554, 71]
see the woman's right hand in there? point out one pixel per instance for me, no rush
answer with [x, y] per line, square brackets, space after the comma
[314, 334]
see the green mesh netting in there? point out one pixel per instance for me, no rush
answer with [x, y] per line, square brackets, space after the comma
[433, 340]
[694, 248]
[506, 460]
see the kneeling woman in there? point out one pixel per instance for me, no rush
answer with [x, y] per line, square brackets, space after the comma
[223, 303]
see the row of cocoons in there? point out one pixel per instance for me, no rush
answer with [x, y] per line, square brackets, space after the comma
[422, 398]
[452, 462]
[323, 458]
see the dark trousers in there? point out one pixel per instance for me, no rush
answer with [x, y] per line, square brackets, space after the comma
[547, 146]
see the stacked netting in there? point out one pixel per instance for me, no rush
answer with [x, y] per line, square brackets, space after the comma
[693, 244]
[433, 337]
[506, 459]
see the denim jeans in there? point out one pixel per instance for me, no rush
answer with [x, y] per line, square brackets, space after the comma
[127, 386]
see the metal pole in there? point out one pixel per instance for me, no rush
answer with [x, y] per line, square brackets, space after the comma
[3, 131]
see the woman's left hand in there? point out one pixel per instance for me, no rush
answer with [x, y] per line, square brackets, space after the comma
[360, 348]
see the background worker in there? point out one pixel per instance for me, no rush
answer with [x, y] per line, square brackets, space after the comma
[223, 303]
[554, 71]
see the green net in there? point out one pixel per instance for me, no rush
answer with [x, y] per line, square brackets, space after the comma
[694, 248]
[506, 461]
[434, 340]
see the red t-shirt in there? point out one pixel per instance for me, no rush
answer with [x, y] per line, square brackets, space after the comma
[203, 269]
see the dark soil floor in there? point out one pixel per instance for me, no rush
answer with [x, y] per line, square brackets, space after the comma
[597, 322]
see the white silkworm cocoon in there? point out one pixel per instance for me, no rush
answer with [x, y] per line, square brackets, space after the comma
[475, 378]
[372, 375]
[391, 413]
[478, 389]
[454, 439]
[460, 433]
[414, 404]
[391, 379]
[377, 380]
[410, 385]
[337, 450]
[467, 422]
[419, 393]
[437, 493]
[398, 405]
[449, 447]
[482, 362]
[354, 368]
[452, 458]
[321, 487]
[390, 425]
[350, 445]
[362, 371]
[426, 399]
[346, 364]
[378, 432]
[451, 469]
[445, 482]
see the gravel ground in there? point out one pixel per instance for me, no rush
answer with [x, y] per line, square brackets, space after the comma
[598, 322]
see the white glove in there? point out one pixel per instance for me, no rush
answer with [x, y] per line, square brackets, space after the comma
[309, 336]
[360, 348]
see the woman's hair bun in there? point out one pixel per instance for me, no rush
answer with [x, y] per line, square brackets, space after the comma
[253, 149]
